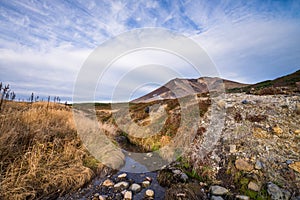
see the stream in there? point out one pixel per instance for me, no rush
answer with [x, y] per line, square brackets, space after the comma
[131, 165]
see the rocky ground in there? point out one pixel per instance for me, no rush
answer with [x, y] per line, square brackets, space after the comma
[257, 156]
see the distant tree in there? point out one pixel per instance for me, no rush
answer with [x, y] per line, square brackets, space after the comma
[12, 96]
[4, 91]
[31, 97]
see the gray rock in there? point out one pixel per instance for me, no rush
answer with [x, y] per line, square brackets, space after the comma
[216, 198]
[258, 165]
[242, 197]
[135, 187]
[184, 177]
[289, 162]
[218, 190]
[277, 193]
[121, 184]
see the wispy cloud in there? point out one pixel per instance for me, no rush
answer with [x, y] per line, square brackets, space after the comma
[43, 44]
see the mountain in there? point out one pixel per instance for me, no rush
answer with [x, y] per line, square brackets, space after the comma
[184, 87]
[177, 88]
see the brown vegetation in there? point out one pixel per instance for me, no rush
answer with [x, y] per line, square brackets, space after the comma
[40, 153]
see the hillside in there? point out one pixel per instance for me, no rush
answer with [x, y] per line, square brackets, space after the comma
[282, 85]
[178, 88]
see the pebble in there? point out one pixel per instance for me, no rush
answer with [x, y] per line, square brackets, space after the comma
[253, 186]
[232, 148]
[241, 164]
[149, 155]
[297, 132]
[146, 184]
[149, 193]
[128, 195]
[258, 165]
[102, 197]
[176, 171]
[184, 177]
[218, 190]
[216, 198]
[277, 130]
[108, 183]
[122, 184]
[124, 175]
[135, 187]
[148, 179]
[242, 197]
[288, 162]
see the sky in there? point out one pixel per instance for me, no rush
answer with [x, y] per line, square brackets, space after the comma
[45, 43]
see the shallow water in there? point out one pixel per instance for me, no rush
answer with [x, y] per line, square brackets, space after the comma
[135, 172]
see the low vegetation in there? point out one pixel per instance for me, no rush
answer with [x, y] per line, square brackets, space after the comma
[40, 153]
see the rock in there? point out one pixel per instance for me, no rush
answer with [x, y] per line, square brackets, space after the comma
[96, 195]
[241, 164]
[135, 187]
[146, 184]
[118, 196]
[128, 195]
[297, 132]
[258, 165]
[295, 166]
[221, 104]
[102, 197]
[124, 175]
[218, 190]
[277, 130]
[276, 193]
[232, 148]
[108, 183]
[242, 197]
[148, 179]
[176, 171]
[259, 133]
[121, 184]
[288, 162]
[184, 177]
[216, 198]
[253, 186]
[149, 155]
[149, 193]
[245, 102]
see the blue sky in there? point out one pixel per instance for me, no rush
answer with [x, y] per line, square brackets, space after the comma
[43, 44]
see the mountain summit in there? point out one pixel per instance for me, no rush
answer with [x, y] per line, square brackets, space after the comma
[177, 88]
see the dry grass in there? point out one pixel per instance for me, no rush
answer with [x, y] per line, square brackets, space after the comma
[40, 153]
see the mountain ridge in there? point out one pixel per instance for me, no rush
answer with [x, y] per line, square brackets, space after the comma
[180, 87]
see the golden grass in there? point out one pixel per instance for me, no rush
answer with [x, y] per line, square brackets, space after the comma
[40, 152]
